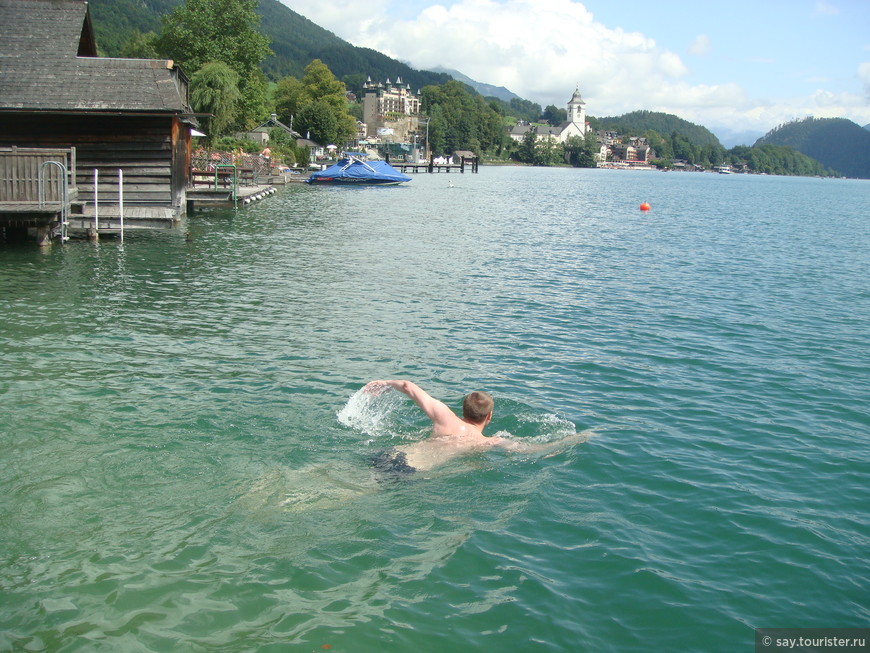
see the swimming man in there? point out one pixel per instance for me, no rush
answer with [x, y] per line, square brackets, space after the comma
[452, 436]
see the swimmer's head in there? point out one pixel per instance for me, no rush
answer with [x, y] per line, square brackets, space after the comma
[477, 407]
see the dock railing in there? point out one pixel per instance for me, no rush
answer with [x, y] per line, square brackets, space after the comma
[22, 167]
[252, 169]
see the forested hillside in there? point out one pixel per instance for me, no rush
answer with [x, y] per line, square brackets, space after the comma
[638, 122]
[837, 142]
[295, 42]
[116, 20]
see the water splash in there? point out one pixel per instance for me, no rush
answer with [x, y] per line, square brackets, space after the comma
[373, 415]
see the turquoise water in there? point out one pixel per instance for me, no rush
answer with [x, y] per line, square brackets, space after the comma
[184, 450]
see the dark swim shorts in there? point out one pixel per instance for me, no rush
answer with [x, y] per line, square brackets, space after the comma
[393, 462]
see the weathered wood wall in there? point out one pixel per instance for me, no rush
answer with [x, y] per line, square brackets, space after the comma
[20, 170]
[146, 148]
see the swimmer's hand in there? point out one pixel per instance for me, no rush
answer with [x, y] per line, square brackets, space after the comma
[376, 388]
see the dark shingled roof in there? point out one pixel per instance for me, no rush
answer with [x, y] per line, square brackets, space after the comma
[48, 63]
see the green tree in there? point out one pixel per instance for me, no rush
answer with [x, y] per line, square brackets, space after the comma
[554, 115]
[548, 152]
[580, 152]
[683, 148]
[526, 150]
[255, 103]
[318, 122]
[461, 120]
[307, 102]
[214, 89]
[289, 98]
[140, 46]
[206, 31]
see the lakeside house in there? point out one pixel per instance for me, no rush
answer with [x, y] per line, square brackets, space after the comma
[260, 133]
[111, 114]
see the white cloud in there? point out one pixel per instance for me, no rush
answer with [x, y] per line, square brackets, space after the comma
[700, 46]
[541, 50]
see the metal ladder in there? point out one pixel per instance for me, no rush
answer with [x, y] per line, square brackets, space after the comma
[64, 204]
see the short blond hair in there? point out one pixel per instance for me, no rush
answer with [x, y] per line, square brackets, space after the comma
[476, 406]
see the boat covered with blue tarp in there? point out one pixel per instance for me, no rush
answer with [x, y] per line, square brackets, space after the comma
[354, 171]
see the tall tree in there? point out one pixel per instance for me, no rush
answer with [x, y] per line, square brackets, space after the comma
[204, 31]
[580, 151]
[317, 103]
[554, 115]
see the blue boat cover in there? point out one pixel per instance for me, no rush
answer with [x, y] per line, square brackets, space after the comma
[353, 171]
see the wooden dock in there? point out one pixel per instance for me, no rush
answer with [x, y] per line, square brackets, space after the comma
[465, 163]
[210, 197]
[106, 219]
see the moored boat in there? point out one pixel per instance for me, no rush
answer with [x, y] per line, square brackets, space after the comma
[352, 171]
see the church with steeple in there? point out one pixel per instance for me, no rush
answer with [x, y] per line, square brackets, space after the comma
[574, 126]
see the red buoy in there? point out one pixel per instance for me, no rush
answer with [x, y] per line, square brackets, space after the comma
[645, 207]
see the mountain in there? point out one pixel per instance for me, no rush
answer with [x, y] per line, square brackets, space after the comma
[295, 41]
[637, 122]
[115, 20]
[838, 143]
[486, 90]
[732, 137]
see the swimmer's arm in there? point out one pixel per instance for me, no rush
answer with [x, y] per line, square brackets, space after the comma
[435, 410]
[535, 447]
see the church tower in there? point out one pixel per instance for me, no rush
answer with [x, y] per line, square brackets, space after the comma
[577, 110]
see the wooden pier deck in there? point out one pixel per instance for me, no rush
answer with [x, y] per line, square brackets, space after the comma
[200, 197]
[86, 219]
[430, 167]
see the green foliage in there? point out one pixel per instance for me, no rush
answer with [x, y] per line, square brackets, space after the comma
[118, 21]
[255, 103]
[555, 115]
[318, 105]
[205, 31]
[140, 46]
[838, 143]
[577, 151]
[525, 109]
[638, 122]
[460, 119]
[233, 144]
[580, 152]
[782, 160]
[202, 31]
[214, 88]
[318, 121]
[767, 159]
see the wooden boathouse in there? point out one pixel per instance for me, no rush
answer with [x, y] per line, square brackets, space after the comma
[103, 119]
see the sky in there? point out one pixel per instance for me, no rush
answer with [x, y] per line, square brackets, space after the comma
[738, 67]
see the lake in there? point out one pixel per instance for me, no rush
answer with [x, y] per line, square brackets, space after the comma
[185, 451]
